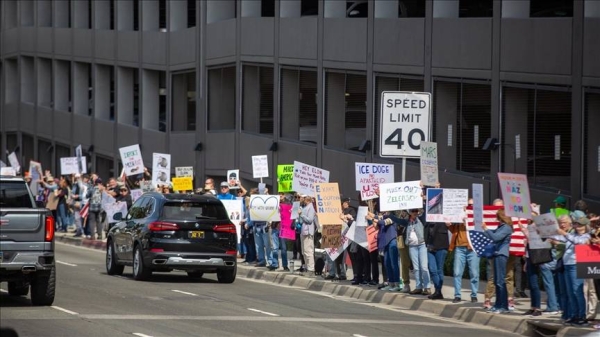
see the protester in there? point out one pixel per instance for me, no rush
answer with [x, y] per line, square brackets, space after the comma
[501, 238]
[306, 216]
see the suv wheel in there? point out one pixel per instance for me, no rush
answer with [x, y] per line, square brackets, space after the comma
[226, 275]
[140, 272]
[112, 268]
[195, 274]
[18, 289]
[43, 288]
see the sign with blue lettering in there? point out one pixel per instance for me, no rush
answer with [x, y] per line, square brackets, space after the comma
[404, 123]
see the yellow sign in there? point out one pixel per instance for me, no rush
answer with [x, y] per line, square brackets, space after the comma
[182, 184]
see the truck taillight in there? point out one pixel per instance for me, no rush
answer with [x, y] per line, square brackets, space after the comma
[162, 226]
[49, 228]
[227, 228]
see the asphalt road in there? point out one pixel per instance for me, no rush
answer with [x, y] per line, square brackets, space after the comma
[91, 303]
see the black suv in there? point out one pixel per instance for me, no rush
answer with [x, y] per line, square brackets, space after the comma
[163, 232]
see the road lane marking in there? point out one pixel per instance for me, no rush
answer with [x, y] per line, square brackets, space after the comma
[65, 310]
[357, 335]
[141, 334]
[184, 292]
[3, 291]
[66, 263]
[262, 312]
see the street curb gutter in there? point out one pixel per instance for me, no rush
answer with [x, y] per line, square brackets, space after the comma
[466, 312]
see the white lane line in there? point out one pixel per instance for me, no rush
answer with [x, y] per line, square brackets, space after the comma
[141, 334]
[65, 310]
[263, 312]
[3, 291]
[357, 335]
[184, 292]
[66, 263]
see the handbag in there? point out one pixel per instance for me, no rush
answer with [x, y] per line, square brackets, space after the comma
[401, 244]
[540, 256]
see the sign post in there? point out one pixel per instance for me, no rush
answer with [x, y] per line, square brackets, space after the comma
[404, 124]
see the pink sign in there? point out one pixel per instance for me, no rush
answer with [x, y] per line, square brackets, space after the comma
[286, 231]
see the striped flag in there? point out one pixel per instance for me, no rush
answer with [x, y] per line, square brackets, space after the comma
[479, 241]
[84, 210]
[517, 239]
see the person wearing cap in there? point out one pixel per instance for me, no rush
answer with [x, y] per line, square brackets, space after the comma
[560, 204]
[224, 192]
[576, 310]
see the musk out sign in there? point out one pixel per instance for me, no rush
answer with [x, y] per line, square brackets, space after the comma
[404, 123]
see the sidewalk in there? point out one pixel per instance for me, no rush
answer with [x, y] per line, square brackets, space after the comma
[465, 311]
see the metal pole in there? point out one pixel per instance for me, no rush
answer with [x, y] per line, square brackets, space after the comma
[404, 169]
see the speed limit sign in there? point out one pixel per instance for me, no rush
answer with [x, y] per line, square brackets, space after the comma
[404, 123]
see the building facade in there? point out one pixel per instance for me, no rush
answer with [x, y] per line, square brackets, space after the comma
[213, 82]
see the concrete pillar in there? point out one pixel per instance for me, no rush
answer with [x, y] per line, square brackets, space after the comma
[386, 9]
[102, 92]
[44, 13]
[27, 80]
[44, 82]
[177, 15]
[218, 10]
[290, 8]
[124, 14]
[81, 18]
[515, 119]
[335, 111]
[150, 104]
[125, 95]
[445, 8]
[446, 111]
[515, 9]
[81, 89]
[61, 85]
[26, 9]
[101, 14]
[179, 103]
[335, 9]
[251, 8]
[149, 15]
[61, 13]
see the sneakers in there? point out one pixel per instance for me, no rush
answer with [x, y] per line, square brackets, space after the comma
[416, 292]
[394, 289]
[528, 312]
[382, 285]
[536, 313]
[342, 278]
[286, 269]
[473, 299]
[487, 304]
[580, 322]
[456, 300]
[511, 304]
[329, 277]
[550, 312]
[426, 292]
[386, 288]
[272, 268]
[406, 289]
[490, 309]
[498, 311]
[372, 283]
[436, 296]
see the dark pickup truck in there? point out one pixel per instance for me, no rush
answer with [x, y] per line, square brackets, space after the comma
[26, 243]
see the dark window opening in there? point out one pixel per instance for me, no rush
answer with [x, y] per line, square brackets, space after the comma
[266, 100]
[267, 8]
[309, 7]
[551, 8]
[162, 14]
[411, 8]
[112, 14]
[112, 94]
[476, 8]
[69, 14]
[357, 9]
[89, 9]
[90, 91]
[136, 98]
[136, 15]
[191, 13]
[162, 102]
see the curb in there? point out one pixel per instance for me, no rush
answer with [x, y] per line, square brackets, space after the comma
[70, 240]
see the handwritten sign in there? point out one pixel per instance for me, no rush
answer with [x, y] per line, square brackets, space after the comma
[372, 233]
[361, 213]
[446, 205]
[328, 202]
[546, 225]
[429, 164]
[332, 236]
[113, 208]
[285, 229]
[260, 166]
[264, 207]
[397, 196]
[306, 176]
[334, 252]
[184, 171]
[234, 210]
[369, 176]
[358, 234]
[515, 193]
[131, 156]
[182, 184]
[70, 165]
[295, 208]
[161, 168]
[8, 171]
[478, 206]
[285, 176]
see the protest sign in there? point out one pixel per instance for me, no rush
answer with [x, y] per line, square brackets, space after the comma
[546, 224]
[14, 162]
[478, 206]
[161, 168]
[35, 172]
[233, 176]
[306, 176]
[264, 207]
[260, 166]
[234, 210]
[446, 205]
[295, 208]
[79, 155]
[334, 252]
[114, 208]
[358, 234]
[70, 165]
[535, 240]
[184, 171]
[8, 171]
[372, 238]
[397, 196]
[588, 261]
[361, 213]
[136, 194]
[328, 202]
[182, 184]
[285, 229]
[131, 156]
[369, 176]
[515, 194]
[146, 186]
[429, 164]
[285, 176]
[332, 236]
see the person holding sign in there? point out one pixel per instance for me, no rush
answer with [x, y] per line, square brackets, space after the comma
[306, 216]
[388, 243]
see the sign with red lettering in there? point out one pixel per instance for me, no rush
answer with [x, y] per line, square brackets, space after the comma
[588, 261]
[369, 176]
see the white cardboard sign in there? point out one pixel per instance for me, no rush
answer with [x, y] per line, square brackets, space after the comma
[429, 164]
[234, 210]
[478, 206]
[131, 156]
[546, 225]
[264, 207]
[446, 205]
[14, 162]
[184, 171]
[397, 196]
[306, 176]
[260, 166]
[369, 176]
[70, 165]
[161, 168]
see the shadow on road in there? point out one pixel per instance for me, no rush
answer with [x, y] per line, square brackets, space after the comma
[14, 301]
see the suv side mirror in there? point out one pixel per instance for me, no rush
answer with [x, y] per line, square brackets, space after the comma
[118, 216]
[40, 204]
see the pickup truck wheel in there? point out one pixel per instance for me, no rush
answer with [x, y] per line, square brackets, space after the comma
[112, 268]
[140, 271]
[226, 275]
[43, 288]
[18, 289]
[195, 274]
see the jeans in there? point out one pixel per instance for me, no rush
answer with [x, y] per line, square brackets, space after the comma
[63, 215]
[251, 246]
[261, 239]
[435, 261]
[534, 285]
[418, 256]
[575, 292]
[548, 279]
[95, 224]
[500, 262]
[278, 243]
[337, 265]
[390, 259]
[465, 256]
[565, 303]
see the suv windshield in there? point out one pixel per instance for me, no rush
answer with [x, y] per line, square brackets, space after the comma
[189, 210]
[15, 194]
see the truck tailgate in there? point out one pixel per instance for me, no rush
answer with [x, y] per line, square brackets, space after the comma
[22, 225]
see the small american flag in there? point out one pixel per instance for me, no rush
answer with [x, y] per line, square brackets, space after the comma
[479, 241]
[517, 239]
[84, 210]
